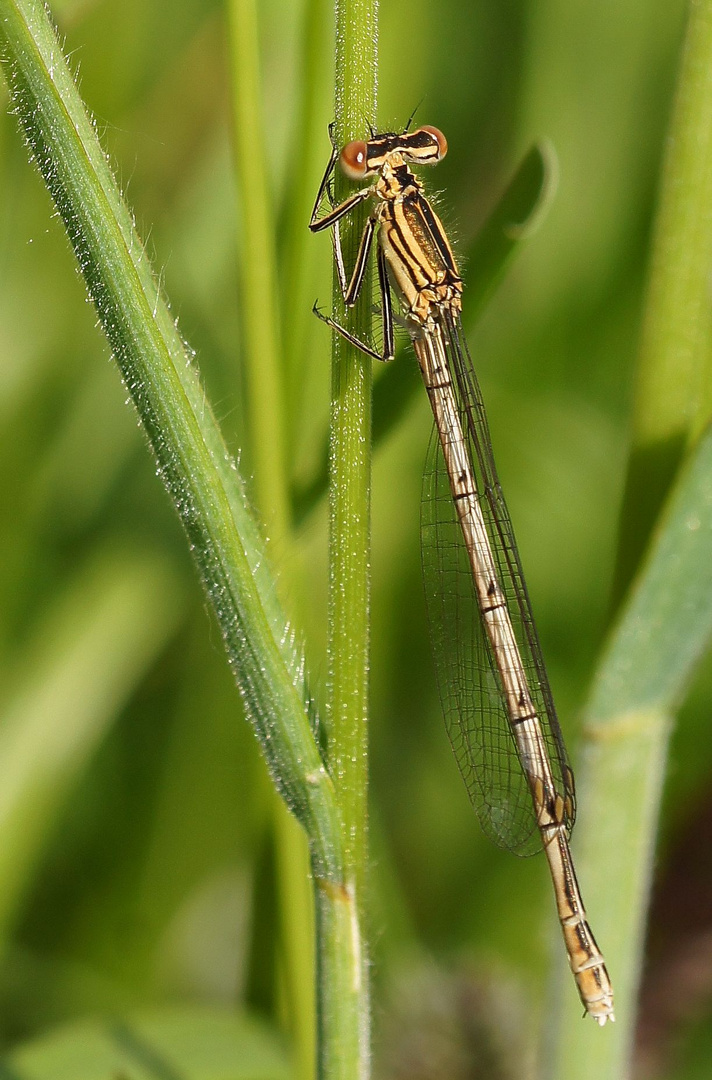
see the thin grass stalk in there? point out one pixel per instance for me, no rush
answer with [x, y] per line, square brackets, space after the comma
[344, 1022]
[298, 252]
[258, 270]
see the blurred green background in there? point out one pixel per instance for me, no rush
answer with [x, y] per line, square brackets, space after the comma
[135, 864]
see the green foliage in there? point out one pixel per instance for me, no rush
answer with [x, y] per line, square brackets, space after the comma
[134, 827]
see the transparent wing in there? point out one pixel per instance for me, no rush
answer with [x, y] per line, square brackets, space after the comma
[473, 701]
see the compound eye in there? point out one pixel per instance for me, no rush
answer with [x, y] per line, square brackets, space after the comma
[439, 139]
[354, 159]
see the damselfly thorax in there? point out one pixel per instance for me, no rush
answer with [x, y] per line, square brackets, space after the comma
[420, 261]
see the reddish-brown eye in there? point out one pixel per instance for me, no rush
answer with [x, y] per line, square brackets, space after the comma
[439, 139]
[353, 159]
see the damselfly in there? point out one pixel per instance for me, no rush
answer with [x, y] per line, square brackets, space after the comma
[494, 689]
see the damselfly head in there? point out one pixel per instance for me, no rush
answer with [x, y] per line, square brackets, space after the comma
[424, 146]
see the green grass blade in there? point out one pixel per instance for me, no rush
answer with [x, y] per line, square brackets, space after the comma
[262, 355]
[192, 457]
[673, 396]
[298, 253]
[518, 215]
[666, 621]
[664, 629]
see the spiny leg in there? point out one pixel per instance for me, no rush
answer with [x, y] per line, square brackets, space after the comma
[351, 293]
[319, 224]
[324, 185]
[387, 311]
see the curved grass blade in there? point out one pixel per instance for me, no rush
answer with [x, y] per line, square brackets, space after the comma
[193, 461]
